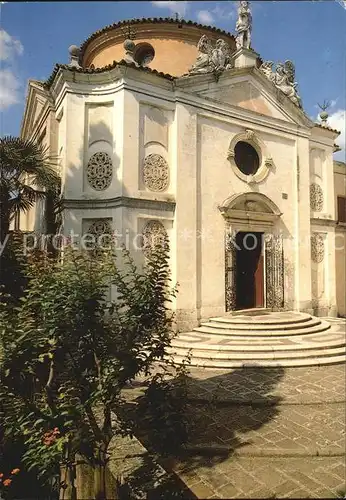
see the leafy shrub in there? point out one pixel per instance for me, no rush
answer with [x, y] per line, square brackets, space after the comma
[67, 355]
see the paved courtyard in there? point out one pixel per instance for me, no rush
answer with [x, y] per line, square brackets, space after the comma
[266, 433]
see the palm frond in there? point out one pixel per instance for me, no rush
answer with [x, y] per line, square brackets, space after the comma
[20, 158]
[27, 173]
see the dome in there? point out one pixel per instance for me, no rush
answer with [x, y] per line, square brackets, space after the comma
[164, 44]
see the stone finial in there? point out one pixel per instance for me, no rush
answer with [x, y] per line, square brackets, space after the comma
[324, 114]
[74, 56]
[129, 46]
[244, 26]
[324, 118]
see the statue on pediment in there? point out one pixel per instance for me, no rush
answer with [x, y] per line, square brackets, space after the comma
[283, 79]
[211, 59]
[243, 26]
[267, 68]
[202, 64]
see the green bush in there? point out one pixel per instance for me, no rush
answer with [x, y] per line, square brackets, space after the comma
[67, 354]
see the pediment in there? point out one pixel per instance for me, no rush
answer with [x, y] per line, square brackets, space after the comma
[36, 101]
[253, 205]
[251, 90]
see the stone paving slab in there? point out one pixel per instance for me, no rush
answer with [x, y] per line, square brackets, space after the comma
[271, 430]
[240, 477]
[257, 433]
[321, 384]
[281, 423]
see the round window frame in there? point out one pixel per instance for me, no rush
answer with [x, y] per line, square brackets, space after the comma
[138, 48]
[265, 160]
[248, 143]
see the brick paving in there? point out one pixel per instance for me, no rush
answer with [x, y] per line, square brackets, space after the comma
[266, 433]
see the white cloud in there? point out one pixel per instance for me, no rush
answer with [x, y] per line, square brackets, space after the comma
[205, 17]
[10, 85]
[174, 7]
[226, 10]
[337, 120]
[342, 3]
[9, 89]
[10, 47]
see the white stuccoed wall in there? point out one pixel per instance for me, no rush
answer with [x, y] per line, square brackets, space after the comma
[199, 134]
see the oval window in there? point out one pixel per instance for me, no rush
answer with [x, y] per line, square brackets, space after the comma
[246, 158]
[144, 53]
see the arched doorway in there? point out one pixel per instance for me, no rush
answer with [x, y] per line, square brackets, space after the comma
[253, 253]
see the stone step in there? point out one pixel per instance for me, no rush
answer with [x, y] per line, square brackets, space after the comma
[195, 338]
[206, 329]
[229, 325]
[314, 342]
[303, 352]
[263, 363]
[281, 318]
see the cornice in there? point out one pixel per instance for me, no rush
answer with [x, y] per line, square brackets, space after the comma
[97, 71]
[323, 222]
[46, 110]
[35, 92]
[340, 227]
[246, 117]
[121, 201]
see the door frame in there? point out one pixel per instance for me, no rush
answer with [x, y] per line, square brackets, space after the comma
[254, 212]
[260, 262]
[273, 262]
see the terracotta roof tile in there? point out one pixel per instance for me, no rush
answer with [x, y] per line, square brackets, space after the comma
[49, 81]
[153, 20]
[327, 128]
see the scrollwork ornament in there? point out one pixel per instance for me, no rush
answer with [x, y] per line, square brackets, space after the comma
[154, 235]
[268, 162]
[317, 248]
[316, 197]
[100, 171]
[230, 271]
[250, 135]
[102, 231]
[155, 172]
[230, 154]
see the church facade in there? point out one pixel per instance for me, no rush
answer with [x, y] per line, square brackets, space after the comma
[170, 127]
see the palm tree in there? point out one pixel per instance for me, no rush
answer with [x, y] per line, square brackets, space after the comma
[27, 174]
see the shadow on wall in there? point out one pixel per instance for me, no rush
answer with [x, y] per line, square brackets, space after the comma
[96, 138]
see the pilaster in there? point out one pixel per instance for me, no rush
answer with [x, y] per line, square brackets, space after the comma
[185, 217]
[302, 228]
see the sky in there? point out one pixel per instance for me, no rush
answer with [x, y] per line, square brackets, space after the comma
[34, 36]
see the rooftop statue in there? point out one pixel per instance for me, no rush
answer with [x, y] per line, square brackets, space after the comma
[283, 78]
[211, 59]
[243, 26]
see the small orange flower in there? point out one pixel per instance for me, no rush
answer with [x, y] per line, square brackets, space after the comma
[7, 482]
[1, 475]
[15, 471]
